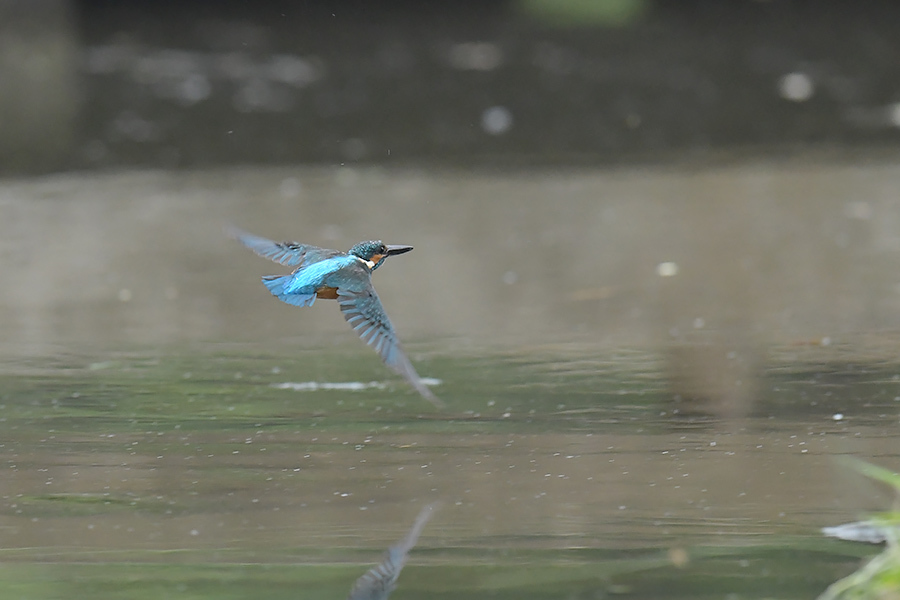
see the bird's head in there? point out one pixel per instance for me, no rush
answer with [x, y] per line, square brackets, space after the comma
[376, 251]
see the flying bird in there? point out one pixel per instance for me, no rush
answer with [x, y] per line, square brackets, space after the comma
[347, 278]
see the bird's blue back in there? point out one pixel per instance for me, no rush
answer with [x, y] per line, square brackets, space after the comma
[328, 271]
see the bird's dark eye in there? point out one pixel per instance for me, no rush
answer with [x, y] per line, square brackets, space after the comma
[382, 250]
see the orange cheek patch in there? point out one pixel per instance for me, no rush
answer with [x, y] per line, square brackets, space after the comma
[376, 258]
[326, 293]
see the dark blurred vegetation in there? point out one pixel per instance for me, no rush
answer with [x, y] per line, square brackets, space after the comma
[102, 83]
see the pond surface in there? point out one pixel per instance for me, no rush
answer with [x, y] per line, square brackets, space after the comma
[648, 382]
[566, 473]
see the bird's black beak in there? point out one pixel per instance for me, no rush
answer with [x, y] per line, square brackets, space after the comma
[395, 250]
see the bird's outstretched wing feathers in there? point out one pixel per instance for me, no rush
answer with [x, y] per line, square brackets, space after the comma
[363, 310]
[379, 581]
[357, 298]
[290, 254]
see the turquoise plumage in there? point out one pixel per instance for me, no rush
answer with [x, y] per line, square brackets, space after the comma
[347, 278]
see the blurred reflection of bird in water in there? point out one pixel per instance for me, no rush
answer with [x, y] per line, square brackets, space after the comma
[380, 581]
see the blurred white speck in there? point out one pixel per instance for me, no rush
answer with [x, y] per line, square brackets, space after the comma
[475, 56]
[332, 232]
[164, 67]
[838, 416]
[292, 70]
[259, 95]
[354, 149]
[235, 66]
[556, 59]
[796, 87]
[131, 126]
[860, 531]
[290, 187]
[667, 269]
[125, 295]
[712, 444]
[699, 323]
[510, 277]
[825, 341]
[858, 210]
[622, 507]
[193, 89]
[893, 112]
[108, 59]
[496, 120]
[95, 151]
[194, 532]
[314, 386]
[346, 177]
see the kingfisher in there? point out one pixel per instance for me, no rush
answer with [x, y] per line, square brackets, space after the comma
[347, 278]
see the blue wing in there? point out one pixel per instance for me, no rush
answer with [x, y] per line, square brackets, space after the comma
[280, 286]
[363, 310]
[290, 254]
[379, 582]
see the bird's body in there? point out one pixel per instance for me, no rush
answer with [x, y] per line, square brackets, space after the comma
[347, 278]
[319, 280]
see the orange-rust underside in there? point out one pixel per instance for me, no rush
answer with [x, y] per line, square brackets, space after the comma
[326, 293]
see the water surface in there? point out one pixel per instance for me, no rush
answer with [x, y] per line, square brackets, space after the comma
[192, 473]
[647, 381]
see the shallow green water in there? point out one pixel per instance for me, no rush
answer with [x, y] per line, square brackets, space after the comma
[563, 472]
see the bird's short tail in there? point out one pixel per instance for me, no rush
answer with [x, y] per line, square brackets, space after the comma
[276, 285]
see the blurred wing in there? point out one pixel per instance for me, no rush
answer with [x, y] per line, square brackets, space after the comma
[379, 582]
[363, 310]
[290, 254]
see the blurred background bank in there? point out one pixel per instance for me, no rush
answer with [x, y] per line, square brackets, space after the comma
[709, 180]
